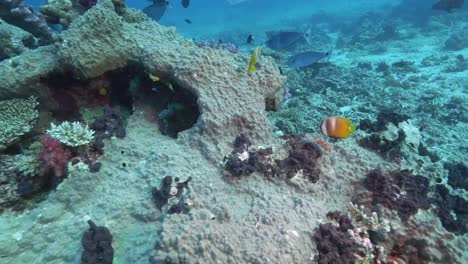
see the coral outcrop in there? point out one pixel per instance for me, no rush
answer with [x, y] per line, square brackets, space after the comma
[14, 41]
[22, 15]
[214, 76]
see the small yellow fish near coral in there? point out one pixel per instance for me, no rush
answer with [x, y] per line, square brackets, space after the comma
[154, 78]
[337, 127]
[253, 60]
[103, 91]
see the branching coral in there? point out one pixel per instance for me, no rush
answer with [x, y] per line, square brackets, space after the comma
[17, 117]
[71, 134]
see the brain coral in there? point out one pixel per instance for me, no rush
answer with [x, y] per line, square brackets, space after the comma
[17, 117]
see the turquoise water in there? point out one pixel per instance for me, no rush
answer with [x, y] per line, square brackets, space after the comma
[234, 131]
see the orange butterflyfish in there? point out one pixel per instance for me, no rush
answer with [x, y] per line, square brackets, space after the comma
[337, 127]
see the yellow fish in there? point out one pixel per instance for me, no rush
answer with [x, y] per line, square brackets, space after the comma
[154, 78]
[253, 60]
[102, 91]
[337, 127]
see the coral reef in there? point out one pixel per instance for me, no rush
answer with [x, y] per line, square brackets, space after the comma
[64, 12]
[117, 41]
[17, 117]
[22, 15]
[61, 12]
[97, 245]
[399, 190]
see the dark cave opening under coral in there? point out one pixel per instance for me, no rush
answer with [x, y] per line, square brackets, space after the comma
[172, 107]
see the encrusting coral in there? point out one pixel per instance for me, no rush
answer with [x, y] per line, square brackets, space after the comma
[17, 117]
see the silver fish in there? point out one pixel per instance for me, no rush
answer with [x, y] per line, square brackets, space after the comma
[281, 40]
[307, 58]
[157, 9]
[448, 5]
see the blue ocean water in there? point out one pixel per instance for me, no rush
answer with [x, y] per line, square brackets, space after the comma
[299, 131]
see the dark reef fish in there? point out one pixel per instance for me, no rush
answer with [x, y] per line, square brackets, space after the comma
[88, 3]
[307, 58]
[157, 9]
[280, 40]
[448, 5]
[250, 39]
[185, 3]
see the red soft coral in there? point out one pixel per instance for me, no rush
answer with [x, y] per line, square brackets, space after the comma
[54, 155]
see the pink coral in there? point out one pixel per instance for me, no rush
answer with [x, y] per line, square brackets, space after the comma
[54, 155]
